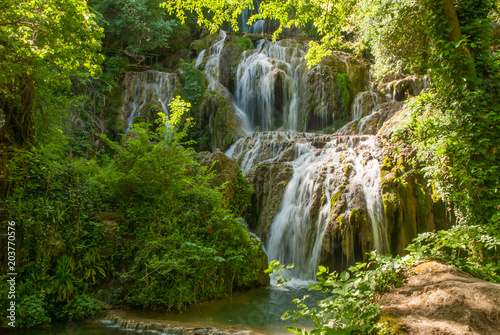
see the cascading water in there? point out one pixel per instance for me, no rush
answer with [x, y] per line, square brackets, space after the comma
[268, 81]
[212, 71]
[199, 59]
[212, 67]
[401, 89]
[142, 90]
[369, 110]
[258, 26]
[323, 168]
[319, 171]
[364, 101]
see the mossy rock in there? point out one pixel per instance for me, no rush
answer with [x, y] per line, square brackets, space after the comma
[408, 204]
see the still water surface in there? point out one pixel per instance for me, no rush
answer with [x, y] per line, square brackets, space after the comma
[258, 310]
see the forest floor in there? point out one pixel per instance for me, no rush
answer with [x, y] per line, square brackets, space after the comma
[440, 299]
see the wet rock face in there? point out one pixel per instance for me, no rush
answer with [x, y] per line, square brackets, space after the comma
[331, 88]
[373, 122]
[222, 122]
[316, 197]
[400, 90]
[144, 95]
[229, 61]
[409, 205]
[357, 69]
[269, 182]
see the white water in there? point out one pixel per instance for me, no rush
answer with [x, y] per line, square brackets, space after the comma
[144, 88]
[212, 71]
[416, 85]
[258, 26]
[199, 59]
[318, 171]
[298, 229]
[257, 76]
[212, 67]
[362, 101]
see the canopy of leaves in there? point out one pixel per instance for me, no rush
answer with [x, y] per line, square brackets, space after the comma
[138, 26]
[42, 44]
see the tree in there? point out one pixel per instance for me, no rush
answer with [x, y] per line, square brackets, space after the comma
[42, 45]
[138, 26]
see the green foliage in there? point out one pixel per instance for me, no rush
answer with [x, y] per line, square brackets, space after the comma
[83, 307]
[244, 43]
[455, 126]
[193, 82]
[343, 84]
[219, 11]
[240, 200]
[349, 305]
[397, 34]
[138, 26]
[147, 218]
[43, 44]
[32, 311]
[470, 248]
[187, 244]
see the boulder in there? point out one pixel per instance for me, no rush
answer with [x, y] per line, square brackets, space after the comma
[439, 299]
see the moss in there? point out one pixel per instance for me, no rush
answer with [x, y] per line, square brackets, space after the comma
[401, 164]
[336, 196]
[353, 217]
[342, 83]
[244, 43]
[387, 165]
[347, 169]
[391, 324]
[421, 208]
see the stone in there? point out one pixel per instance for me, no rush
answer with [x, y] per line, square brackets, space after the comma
[440, 299]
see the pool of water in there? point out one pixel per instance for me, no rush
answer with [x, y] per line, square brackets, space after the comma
[258, 310]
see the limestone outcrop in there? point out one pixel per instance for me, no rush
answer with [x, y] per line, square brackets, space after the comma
[439, 299]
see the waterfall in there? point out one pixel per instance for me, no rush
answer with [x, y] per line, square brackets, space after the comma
[267, 85]
[212, 67]
[364, 102]
[212, 71]
[199, 59]
[142, 90]
[258, 26]
[319, 165]
[398, 90]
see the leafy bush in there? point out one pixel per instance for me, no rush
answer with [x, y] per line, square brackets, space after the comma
[32, 311]
[148, 217]
[187, 244]
[83, 307]
[193, 82]
[349, 306]
[244, 43]
[470, 248]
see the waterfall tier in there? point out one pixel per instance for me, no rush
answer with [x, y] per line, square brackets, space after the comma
[268, 81]
[329, 180]
[318, 198]
[145, 94]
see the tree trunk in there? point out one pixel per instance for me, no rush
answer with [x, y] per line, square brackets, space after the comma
[450, 14]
